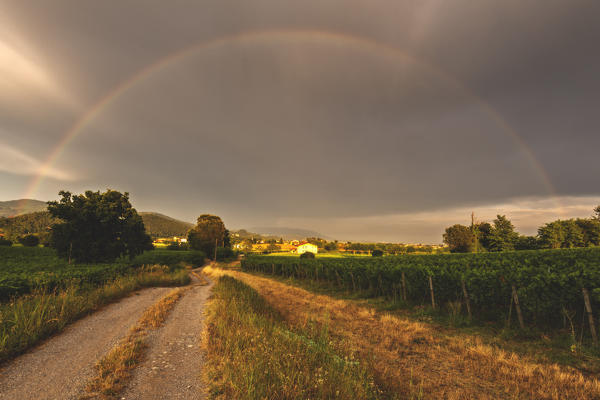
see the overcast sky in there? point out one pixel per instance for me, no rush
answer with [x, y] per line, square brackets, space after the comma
[378, 120]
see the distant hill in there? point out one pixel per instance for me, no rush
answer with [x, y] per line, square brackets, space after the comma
[159, 225]
[24, 224]
[12, 208]
[288, 233]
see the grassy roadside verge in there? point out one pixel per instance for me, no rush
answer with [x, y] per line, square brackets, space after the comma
[29, 319]
[114, 370]
[412, 359]
[252, 353]
[451, 321]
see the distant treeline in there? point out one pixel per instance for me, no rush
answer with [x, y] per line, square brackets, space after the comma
[39, 223]
[158, 225]
[500, 235]
[36, 223]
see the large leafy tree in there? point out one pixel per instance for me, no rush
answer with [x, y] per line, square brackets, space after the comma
[570, 233]
[208, 234]
[97, 227]
[460, 239]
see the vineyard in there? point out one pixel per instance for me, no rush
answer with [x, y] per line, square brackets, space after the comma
[542, 288]
[25, 269]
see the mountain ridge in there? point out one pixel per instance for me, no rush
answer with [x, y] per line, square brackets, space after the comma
[13, 208]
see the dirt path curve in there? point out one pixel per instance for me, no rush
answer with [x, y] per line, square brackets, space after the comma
[61, 367]
[171, 367]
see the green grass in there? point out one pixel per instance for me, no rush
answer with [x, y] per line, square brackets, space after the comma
[25, 270]
[40, 293]
[253, 354]
[28, 319]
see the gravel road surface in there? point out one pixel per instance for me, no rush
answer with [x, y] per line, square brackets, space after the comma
[61, 367]
[171, 368]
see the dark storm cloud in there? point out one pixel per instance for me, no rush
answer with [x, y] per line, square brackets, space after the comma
[276, 128]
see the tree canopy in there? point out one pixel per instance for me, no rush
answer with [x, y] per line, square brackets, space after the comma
[501, 235]
[460, 238]
[208, 234]
[97, 227]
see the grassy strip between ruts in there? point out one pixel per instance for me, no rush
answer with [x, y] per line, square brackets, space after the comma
[251, 353]
[29, 319]
[114, 370]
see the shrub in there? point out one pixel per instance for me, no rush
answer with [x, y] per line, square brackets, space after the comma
[29, 240]
[377, 253]
[224, 253]
[5, 242]
[308, 254]
[170, 258]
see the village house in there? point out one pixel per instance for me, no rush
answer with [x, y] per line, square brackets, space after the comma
[306, 247]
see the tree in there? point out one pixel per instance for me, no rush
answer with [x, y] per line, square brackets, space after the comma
[551, 235]
[591, 231]
[97, 227]
[330, 246]
[227, 239]
[527, 243]
[29, 240]
[597, 213]
[503, 236]
[574, 236]
[570, 233]
[483, 231]
[272, 247]
[460, 239]
[208, 233]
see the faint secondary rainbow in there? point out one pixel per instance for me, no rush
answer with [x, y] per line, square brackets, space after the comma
[317, 36]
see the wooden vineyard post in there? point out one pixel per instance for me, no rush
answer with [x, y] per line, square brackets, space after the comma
[431, 290]
[588, 309]
[403, 287]
[467, 300]
[518, 307]
[512, 299]
[273, 268]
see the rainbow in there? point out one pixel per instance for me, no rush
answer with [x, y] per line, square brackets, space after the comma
[317, 36]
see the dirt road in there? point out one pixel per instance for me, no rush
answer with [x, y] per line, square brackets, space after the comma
[171, 367]
[61, 367]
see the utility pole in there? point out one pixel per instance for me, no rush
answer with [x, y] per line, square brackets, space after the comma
[474, 233]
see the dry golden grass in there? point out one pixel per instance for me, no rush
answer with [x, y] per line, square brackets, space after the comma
[411, 360]
[114, 370]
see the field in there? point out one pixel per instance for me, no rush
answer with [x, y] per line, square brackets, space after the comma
[26, 269]
[546, 289]
[40, 294]
[408, 359]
